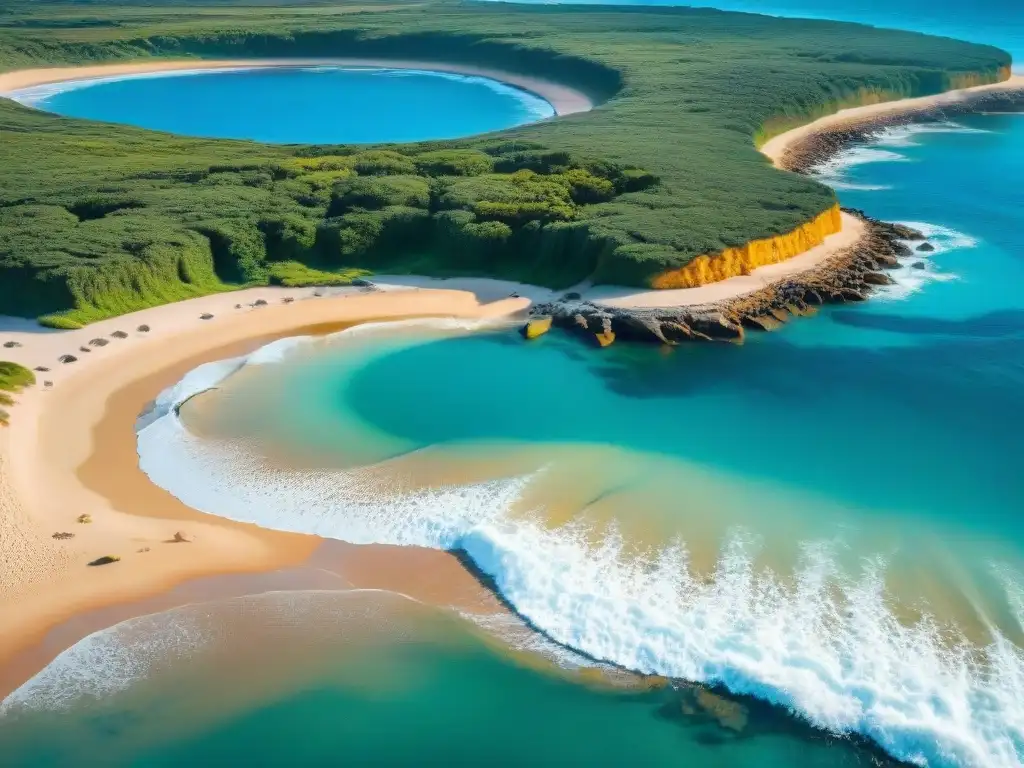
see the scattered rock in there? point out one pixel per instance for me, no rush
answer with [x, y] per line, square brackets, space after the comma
[42, 369]
[926, 248]
[918, 265]
[67, 359]
[513, 295]
[98, 342]
[47, 384]
[62, 535]
[362, 282]
[144, 549]
[119, 335]
[143, 329]
[260, 303]
[105, 560]
[11, 344]
[572, 296]
[238, 306]
[206, 316]
[902, 249]
[287, 300]
[536, 327]
[85, 518]
[318, 294]
[180, 537]
[878, 278]
[84, 349]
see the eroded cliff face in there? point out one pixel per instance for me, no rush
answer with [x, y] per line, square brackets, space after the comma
[972, 79]
[732, 262]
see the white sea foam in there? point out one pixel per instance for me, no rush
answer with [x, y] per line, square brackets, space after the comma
[910, 278]
[112, 660]
[822, 643]
[109, 661]
[833, 171]
[879, 149]
[907, 135]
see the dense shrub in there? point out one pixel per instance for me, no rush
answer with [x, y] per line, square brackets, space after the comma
[376, 192]
[100, 220]
[454, 162]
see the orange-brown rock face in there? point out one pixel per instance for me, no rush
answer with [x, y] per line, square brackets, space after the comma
[711, 268]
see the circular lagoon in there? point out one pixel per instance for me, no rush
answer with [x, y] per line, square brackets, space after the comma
[323, 104]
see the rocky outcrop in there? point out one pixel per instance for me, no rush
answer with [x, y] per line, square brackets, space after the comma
[849, 276]
[105, 560]
[536, 327]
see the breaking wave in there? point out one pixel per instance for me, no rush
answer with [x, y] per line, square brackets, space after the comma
[819, 642]
[919, 268]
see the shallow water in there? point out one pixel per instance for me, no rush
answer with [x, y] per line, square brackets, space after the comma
[827, 518]
[316, 105]
[367, 678]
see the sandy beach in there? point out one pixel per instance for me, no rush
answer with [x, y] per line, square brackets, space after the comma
[564, 100]
[70, 448]
[779, 147]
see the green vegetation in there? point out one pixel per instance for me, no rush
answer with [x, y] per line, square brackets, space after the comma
[13, 378]
[99, 220]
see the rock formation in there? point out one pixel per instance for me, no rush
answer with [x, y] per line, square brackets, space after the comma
[536, 327]
[848, 276]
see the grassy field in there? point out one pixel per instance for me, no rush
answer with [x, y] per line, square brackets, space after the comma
[98, 220]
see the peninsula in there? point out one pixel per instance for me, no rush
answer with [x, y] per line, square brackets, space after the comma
[659, 186]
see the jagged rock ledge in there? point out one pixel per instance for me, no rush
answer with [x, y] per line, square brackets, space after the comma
[816, 148]
[848, 276]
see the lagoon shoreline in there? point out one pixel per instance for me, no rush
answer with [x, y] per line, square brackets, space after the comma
[53, 450]
[563, 99]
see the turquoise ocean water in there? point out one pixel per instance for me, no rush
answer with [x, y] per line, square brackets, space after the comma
[827, 519]
[314, 105]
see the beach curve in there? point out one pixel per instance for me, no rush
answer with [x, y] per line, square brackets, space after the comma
[77, 423]
[563, 99]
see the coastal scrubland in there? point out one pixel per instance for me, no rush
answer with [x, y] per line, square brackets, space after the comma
[13, 379]
[99, 220]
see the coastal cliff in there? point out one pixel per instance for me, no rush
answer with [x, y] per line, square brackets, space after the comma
[710, 268]
[848, 276]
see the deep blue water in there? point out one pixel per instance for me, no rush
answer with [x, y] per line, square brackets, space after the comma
[995, 22]
[315, 105]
